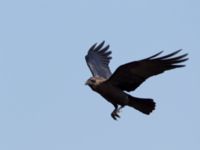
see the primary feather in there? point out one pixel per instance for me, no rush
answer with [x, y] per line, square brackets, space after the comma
[98, 59]
[129, 76]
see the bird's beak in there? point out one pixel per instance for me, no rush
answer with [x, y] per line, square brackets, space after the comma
[86, 83]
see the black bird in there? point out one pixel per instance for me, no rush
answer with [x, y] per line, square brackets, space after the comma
[127, 77]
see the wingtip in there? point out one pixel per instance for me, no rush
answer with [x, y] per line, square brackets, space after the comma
[155, 55]
[103, 41]
[99, 46]
[92, 47]
[179, 50]
[177, 66]
[170, 55]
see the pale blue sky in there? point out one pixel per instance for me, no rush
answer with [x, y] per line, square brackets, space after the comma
[44, 104]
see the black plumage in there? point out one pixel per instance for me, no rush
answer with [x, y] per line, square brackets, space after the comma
[127, 77]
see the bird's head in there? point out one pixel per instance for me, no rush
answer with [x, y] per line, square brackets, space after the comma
[94, 81]
[91, 81]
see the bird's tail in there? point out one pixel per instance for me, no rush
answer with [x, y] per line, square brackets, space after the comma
[143, 105]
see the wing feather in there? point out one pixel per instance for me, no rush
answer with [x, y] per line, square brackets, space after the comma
[131, 75]
[98, 59]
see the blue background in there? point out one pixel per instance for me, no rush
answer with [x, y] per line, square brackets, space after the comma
[44, 104]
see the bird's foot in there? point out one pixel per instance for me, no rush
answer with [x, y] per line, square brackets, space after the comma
[115, 114]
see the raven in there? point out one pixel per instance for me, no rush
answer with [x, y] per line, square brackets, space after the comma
[126, 77]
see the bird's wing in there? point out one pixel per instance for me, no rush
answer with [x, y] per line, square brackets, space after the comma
[129, 76]
[98, 59]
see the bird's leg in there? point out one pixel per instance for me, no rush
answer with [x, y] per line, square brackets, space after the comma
[120, 108]
[115, 112]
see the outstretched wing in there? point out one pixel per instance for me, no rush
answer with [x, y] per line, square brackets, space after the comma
[129, 76]
[98, 59]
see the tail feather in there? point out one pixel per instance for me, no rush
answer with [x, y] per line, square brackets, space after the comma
[143, 105]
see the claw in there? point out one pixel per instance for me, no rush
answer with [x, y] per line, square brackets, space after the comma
[115, 114]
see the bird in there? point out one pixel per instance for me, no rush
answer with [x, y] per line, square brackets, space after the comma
[115, 87]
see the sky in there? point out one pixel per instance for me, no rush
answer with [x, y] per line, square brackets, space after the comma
[44, 104]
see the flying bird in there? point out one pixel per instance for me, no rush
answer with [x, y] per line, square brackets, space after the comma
[114, 87]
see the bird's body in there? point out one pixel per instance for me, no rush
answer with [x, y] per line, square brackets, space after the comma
[127, 77]
[110, 92]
